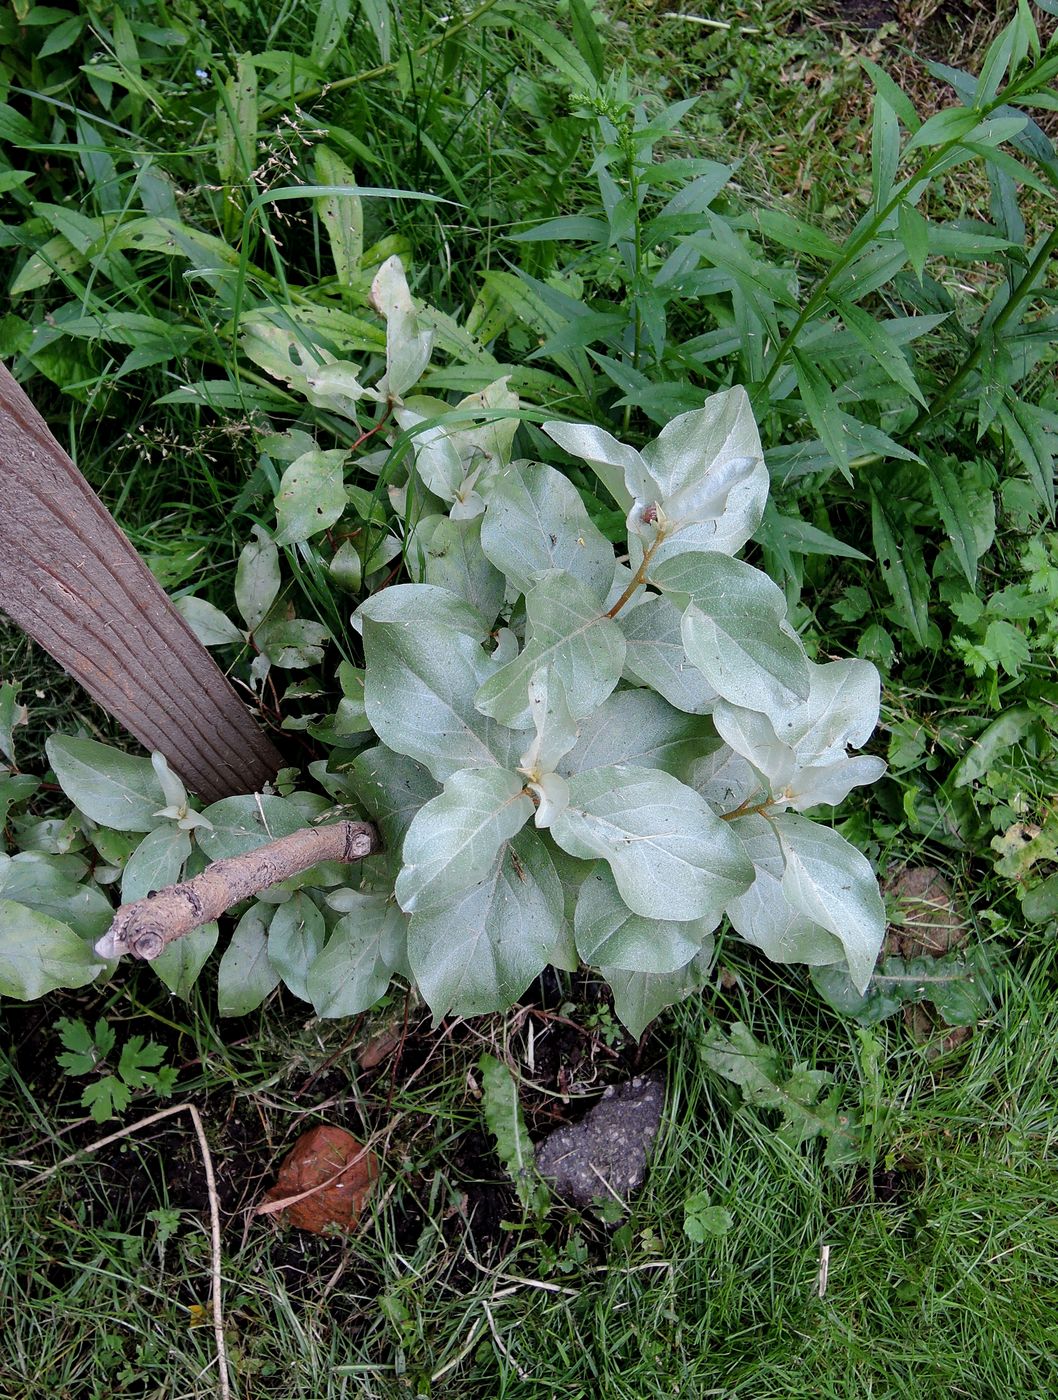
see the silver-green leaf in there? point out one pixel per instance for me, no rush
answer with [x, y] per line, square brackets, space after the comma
[479, 953]
[830, 881]
[536, 522]
[453, 841]
[245, 976]
[311, 495]
[295, 940]
[670, 854]
[356, 966]
[568, 632]
[38, 954]
[609, 934]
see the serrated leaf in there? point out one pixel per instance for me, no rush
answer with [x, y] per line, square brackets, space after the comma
[914, 233]
[567, 632]
[113, 788]
[183, 960]
[106, 1098]
[609, 934]
[821, 405]
[503, 1115]
[156, 862]
[832, 883]
[245, 976]
[655, 656]
[354, 970]
[885, 151]
[257, 578]
[669, 852]
[311, 496]
[741, 1059]
[139, 1058]
[481, 952]
[900, 559]
[453, 841]
[80, 1056]
[958, 984]
[885, 352]
[536, 522]
[735, 631]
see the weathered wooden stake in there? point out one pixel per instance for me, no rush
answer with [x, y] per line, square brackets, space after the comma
[70, 578]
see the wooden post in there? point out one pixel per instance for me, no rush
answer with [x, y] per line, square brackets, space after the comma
[70, 578]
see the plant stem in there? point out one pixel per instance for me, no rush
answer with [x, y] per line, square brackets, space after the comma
[639, 579]
[369, 74]
[1017, 299]
[856, 245]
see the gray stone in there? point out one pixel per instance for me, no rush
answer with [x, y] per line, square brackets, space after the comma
[605, 1154]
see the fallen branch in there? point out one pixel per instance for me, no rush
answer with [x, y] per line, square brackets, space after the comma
[147, 927]
[223, 1377]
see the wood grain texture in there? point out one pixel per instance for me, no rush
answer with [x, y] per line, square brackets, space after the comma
[74, 583]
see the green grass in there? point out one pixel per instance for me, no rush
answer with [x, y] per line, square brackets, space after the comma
[942, 1245]
[943, 1241]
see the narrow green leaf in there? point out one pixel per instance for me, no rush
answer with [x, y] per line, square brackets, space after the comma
[874, 338]
[503, 1115]
[586, 38]
[823, 412]
[885, 151]
[953, 508]
[901, 566]
[915, 233]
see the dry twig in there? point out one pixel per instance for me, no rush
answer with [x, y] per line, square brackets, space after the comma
[146, 927]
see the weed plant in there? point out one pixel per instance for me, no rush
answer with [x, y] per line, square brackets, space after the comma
[941, 1276]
